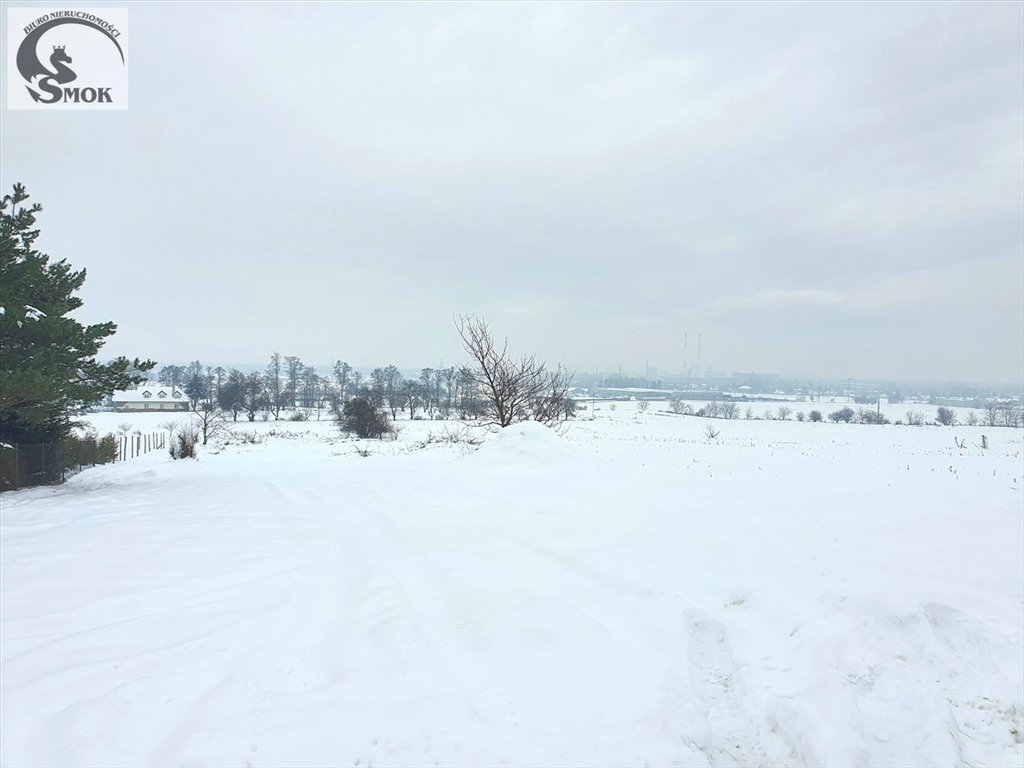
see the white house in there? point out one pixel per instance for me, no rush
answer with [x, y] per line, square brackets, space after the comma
[150, 397]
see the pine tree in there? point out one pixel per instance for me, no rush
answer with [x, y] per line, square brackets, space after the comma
[48, 363]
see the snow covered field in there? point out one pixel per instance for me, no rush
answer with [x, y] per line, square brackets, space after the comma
[628, 592]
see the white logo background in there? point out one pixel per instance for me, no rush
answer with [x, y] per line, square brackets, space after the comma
[95, 60]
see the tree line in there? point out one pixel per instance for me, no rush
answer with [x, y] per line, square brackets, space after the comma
[496, 388]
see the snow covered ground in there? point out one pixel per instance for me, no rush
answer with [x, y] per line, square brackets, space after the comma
[627, 592]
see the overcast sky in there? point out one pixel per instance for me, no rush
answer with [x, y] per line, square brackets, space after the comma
[826, 189]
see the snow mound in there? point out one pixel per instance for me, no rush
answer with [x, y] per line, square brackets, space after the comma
[527, 441]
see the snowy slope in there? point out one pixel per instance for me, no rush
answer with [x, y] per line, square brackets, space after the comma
[625, 592]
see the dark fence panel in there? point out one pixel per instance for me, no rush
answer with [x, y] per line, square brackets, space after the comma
[27, 465]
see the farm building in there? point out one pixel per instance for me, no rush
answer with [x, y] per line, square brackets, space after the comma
[151, 398]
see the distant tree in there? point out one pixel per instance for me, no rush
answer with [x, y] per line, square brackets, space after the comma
[217, 378]
[470, 406]
[377, 386]
[784, 412]
[554, 403]
[254, 395]
[1010, 414]
[209, 418]
[972, 418]
[991, 413]
[451, 379]
[48, 365]
[293, 370]
[426, 391]
[414, 395]
[309, 386]
[272, 385]
[678, 405]
[871, 416]
[229, 396]
[171, 375]
[195, 382]
[814, 416]
[945, 416]
[392, 382]
[800, 416]
[642, 405]
[342, 377]
[363, 419]
[845, 415]
[322, 394]
[914, 418]
[729, 409]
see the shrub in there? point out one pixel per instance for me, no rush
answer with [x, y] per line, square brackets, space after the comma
[183, 443]
[680, 406]
[914, 418]
[298, 416]
[362, 419]
[106, 449]
[800, 416]
[867, 416]
[845, 414]
[643, 405]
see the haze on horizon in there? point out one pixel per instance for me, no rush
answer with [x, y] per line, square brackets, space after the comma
[835, 189]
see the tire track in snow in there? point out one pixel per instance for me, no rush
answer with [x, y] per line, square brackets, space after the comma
[393, 560]
[732, 737]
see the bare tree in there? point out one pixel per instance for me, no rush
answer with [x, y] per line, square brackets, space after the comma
[414, 395]
[342, 376]
[254, 395]
[554, 403]
[512, 389]
[642, 405]
[946, 416]
[784, 411]
[293, 367]
[728, 409]
[322, 395]
[209, 418]
[1010, 415]
[678, 405]
[273, 385]
[229, 393]
[914, 418]
[426, 392]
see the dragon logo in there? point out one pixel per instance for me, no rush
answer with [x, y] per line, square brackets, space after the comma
[46, 84]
